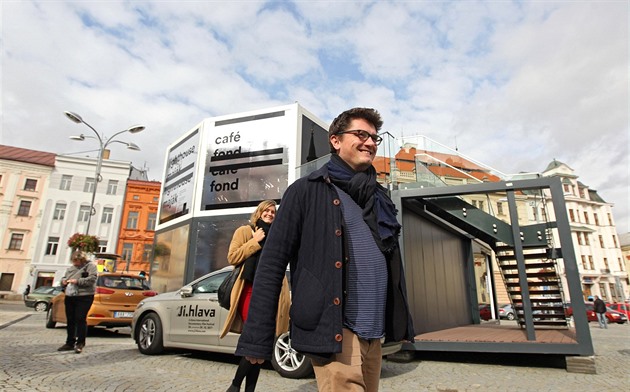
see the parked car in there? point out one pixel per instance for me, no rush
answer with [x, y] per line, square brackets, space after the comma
[611, 315]
[484, 312]
[191, 318]
[622, 307]
[39, 299]
[507, 312]
[115, 300]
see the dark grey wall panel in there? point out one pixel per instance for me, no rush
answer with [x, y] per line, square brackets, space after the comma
[435, 267]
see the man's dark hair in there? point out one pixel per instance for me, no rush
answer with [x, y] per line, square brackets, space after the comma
[342, 122]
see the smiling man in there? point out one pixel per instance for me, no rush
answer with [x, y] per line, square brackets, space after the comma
[337, 230]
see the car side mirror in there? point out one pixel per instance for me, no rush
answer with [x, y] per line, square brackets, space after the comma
[186, 291]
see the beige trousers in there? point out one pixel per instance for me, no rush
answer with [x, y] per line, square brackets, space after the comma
[356, 368]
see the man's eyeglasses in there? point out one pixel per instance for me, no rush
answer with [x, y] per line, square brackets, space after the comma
[363, 135]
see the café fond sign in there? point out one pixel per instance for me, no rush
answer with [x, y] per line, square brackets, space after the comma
[246, 161]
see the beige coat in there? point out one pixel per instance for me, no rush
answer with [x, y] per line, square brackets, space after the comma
[244, 245]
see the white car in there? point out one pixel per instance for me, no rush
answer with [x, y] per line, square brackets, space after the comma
[191, 318]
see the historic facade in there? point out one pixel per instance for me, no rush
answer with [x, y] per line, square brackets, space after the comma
[24, 176]
[137, 229]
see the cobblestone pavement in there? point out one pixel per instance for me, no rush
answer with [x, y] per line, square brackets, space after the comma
[111, 362]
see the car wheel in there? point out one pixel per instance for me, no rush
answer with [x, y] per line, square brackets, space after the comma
[50, 323]
[510, 316]
[41, 307]
[150, 335]
[288, 362]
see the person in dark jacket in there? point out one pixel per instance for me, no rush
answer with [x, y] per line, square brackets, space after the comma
[600, 310]
[337, 230]
[79, 284]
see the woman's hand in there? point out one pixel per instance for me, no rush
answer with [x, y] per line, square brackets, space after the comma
[259, 234]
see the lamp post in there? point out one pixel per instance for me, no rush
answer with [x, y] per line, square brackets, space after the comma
[103, 143]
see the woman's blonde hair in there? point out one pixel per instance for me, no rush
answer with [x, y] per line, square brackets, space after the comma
[260, 209]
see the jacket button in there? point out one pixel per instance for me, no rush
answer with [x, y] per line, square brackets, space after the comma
[336, 202]
[336, 301]
[338, 264]
[338, 233]
[339, 337]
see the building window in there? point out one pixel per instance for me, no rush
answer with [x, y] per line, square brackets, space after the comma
[581, 190]
[25, 208]
[127, 251]
[102, 247]
[596, 219]
[606, 264]
[136, 197]
[89, 185]
[156, 199]
[601, 241]
[52, 245]
[586, 240]
[602, 292]
[571, 215]
[567, 189]
[60, 211]
[586, 217]
[112, 187]
[66, 181]
[84, 213]
[16, 241]
[151, 221]
[30, 184]
[610, 221]
[108, 213]
[620, 264]
[148, 251]
[132, 220]
[591, 262]
[499, 208]
[584, 266]
[615, 241]
[579, 238]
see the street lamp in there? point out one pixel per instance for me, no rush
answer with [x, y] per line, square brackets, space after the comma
[103, 143]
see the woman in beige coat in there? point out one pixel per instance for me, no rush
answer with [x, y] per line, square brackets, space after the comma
[247, 243]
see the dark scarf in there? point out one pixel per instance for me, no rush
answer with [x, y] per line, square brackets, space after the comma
[379, 212]
[250, 263]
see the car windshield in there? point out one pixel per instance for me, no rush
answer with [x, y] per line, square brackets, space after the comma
[43, 290]
[122, 282]
[210, 284]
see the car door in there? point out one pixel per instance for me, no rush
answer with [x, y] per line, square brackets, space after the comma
[196, 319]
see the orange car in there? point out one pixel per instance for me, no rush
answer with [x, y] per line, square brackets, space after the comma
[115, 300]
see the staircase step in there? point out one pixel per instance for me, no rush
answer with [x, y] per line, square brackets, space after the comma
[542, 265]
[526, 256]
[533, 284]
[555, 292]
[546, 274]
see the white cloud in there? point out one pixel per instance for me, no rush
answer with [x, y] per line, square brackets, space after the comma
[513, 84]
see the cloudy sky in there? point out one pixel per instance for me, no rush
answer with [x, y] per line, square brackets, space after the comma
[513, 84]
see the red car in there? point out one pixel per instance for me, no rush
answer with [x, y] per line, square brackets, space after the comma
[623, 307]
[484, 312]
[611, 315]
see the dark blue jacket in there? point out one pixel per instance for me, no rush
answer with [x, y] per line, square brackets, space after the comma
[307, 234]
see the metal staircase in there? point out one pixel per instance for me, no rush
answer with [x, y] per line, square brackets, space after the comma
[543, 285]
[533, 284]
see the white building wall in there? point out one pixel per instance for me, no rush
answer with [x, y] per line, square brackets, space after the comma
[80, 169]
[610, 282]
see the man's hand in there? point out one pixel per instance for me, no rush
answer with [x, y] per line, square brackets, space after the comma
[255, 361]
